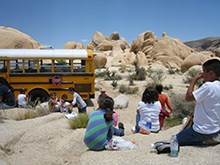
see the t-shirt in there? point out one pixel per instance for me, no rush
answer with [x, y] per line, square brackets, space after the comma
[207, 110]
[64, 107]
[97, 129]
[152, 111]
[77, 99]
[22, 100]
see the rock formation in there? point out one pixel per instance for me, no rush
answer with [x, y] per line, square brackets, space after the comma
[12, 38]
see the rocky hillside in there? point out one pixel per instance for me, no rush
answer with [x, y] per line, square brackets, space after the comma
[145, 50]
[206, 44]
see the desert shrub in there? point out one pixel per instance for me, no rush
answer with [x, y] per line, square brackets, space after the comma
[140, 75]
[112, 76]
[189, 75]
[181, 108]
[173, 70]
[37, 111]
[122, 88]
[26, 114]
[80, 122]
[127, 89]
[101, 73]
[42, 111]
[157, 76]
[170, 122]
[114, 83]
[122, 69]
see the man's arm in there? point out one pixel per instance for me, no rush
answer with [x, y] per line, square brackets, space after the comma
[189, 94]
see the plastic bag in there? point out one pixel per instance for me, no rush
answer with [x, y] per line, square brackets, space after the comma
[71, 116]
[118, 143]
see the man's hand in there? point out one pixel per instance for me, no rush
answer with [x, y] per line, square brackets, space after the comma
[189, 94]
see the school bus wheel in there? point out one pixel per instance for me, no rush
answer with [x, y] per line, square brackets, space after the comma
[40, 95]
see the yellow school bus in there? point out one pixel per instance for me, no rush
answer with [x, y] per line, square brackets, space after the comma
[42, 71]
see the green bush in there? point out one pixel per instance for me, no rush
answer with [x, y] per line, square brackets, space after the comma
[157, 76]
[80, 122]
[170, 122]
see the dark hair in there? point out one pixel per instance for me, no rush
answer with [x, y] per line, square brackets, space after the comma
[52, 93]
[108, 104]
[72, 89]
[64, 97]
[22, 90]
[212, 65]
[159, 88]
[150, 95]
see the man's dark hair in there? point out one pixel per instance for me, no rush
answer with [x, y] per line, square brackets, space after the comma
[72, 89]
[159, 88]
[212, 65]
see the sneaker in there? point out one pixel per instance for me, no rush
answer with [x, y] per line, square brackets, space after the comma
[133, 130]
[121, 125]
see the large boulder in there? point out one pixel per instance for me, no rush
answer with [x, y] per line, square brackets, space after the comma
[100, 60]
[97, 38]
[217, 52]
[141, 59]
[144, 42]
[105, 45]
[196, 58]
[11, 38]
[114, 36]
[170, 51]
[123, 59]
[121, 102]
[73, 45]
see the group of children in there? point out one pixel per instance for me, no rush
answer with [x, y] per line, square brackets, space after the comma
[62, 105]
[55, 104]
[206, 123]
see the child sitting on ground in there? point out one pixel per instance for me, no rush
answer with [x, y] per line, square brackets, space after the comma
[23, 99]
[63, 105]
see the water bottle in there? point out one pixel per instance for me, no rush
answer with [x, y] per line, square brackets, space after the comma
[148, 124]
[174, 146]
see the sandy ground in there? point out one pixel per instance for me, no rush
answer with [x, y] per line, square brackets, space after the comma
[49, 140]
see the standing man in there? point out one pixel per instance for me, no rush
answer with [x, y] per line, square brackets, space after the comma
[77, 100]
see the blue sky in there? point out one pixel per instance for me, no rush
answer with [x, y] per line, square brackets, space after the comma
[55, 22]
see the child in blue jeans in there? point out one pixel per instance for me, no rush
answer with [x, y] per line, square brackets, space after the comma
[206, 123]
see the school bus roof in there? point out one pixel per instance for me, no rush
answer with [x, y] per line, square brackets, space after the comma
[44, 53]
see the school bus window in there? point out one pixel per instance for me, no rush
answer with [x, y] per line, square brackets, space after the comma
[45, 66]
[30, 66]
[79, 65]
[3, 67]
[62, 66]
[16, 66]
